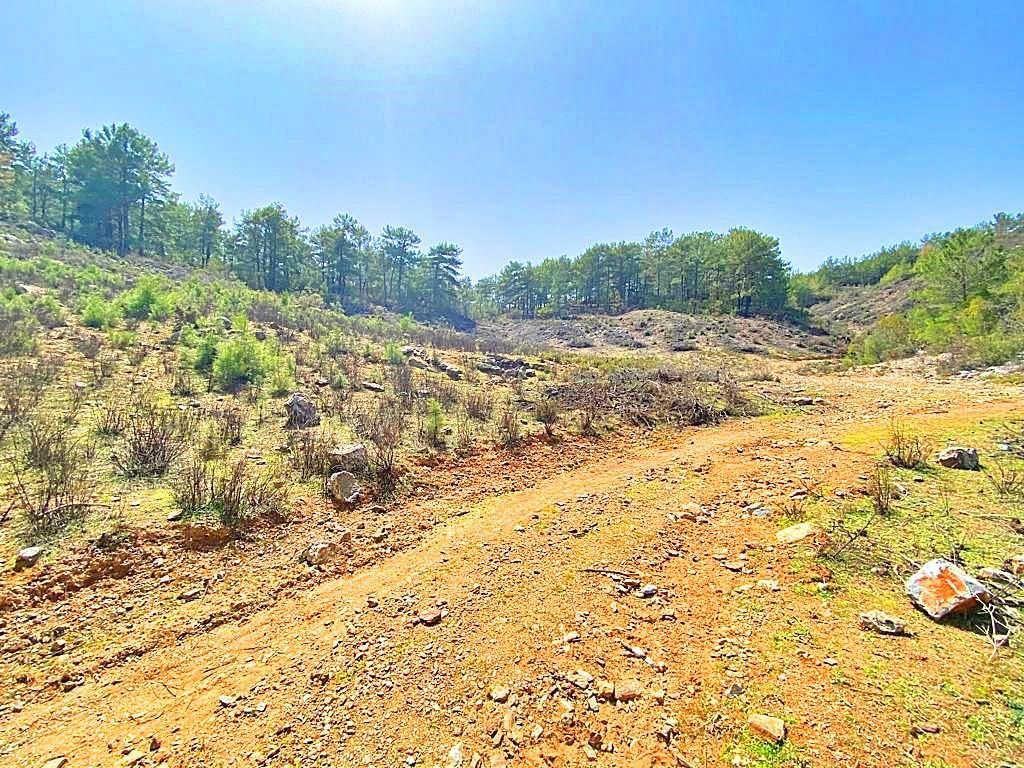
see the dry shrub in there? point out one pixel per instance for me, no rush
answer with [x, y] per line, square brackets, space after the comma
[881, 489]
[47, 439]
[463, 434]
[22, 390]
[113, 420]
[103, 369]
[382, 427]
[309, 451]
[647, 397]
[401, 379]
[194, 486]
[444, 390]
[229, 421]
[546, 412]
[336, 402]
[479, 404]
[1006, 480]
[90, 347]
[509, 429]
[235, 494]
[906, 450]
[183, 383]
[153, 439]
[57, 492]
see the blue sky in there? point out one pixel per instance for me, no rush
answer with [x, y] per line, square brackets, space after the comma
[528, 129]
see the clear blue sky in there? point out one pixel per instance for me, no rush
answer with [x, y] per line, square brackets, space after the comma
[527, 129]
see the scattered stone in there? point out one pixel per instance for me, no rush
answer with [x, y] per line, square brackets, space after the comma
[372, 386]
[500, 693]
[1015, 565]
[175, 516]
[455, 756]
[734, 690]
[628, 690]
[795, 533]
[372, 601]
[191, 594]
[769, 585]
[883, 623]
[920, 729]
[941, 588]
[648, 590]
[228, 701]
[132, 757]
[56, 762]
[767, 728]
[430, 616]
[320, 552]
[343, 487]
[580, 678]
[958, 457]
[350, 457]
[27, 557]
[301, 411]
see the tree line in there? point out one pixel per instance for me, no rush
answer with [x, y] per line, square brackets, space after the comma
[739, 272]
[112, 190]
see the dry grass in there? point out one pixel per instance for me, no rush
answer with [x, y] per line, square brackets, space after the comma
[906, 450]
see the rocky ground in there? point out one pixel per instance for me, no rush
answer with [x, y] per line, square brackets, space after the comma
[619, 601]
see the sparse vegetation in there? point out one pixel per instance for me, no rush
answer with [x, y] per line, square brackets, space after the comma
[146, 352]
[906, 450]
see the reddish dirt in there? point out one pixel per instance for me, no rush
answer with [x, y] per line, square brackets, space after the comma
[276, 663]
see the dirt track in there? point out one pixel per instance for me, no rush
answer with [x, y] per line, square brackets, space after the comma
[311, 672]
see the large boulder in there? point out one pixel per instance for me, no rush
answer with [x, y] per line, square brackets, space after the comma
[941, 588]
[350, 457]
[301, 411]
[343, 487]
[959, 457]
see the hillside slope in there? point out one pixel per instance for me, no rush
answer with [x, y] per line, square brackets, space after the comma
[654, 330]
[854, 308]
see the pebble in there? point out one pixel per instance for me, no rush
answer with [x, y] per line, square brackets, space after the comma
[628, 690]
[430, 616]
[500, 693]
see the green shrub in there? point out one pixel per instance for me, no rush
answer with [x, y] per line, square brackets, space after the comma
[149, 299]
[890, 338]
[198, 349]
[242, 359]
[47, 310]
[97, 312]
[393, 354]
[18, 327]
[434, 426]
[122, 339]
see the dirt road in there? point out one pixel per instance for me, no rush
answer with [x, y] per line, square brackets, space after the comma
[506, 635]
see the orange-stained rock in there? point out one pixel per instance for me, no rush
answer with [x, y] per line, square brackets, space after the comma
[941, 588]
